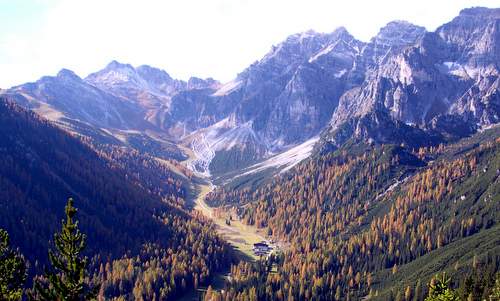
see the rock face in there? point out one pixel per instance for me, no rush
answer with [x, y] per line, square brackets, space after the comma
[149, 88]
[117, 97]
[391, 39]
[473, 36]
[377, 127]
[305, 91]
[453, 71]
[404, 81]
[68, 97]
[474, 39]
[282, 100]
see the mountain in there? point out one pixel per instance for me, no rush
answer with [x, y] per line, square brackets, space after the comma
[278, 102]
[438, 74]
[67, 97]
[126, 81]
[312, 84]
[149, 88]
[392, 38]
[402, 183]
[118, 105]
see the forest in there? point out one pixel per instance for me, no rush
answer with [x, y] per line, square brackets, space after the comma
[131, 207]
[376, 223]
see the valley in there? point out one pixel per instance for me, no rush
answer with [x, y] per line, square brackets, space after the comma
[242, 237]
[329, 169]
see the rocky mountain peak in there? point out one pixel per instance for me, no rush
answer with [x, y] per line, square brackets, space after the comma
[200, 83]
[469, 22]
[68, 75]
[297, 46]
[342, 34]
[341, 31]
[121, 79]
[284, 58]
[473, 36]
[393, 37]
[153, 74]
[398, 33]
[115, 65]
[113, 74]
[481, 12]
[301, 37]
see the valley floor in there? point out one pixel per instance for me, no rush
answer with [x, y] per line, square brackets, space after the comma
[240, 236]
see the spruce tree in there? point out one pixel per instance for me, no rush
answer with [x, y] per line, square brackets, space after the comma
[439, 290]
[67, 281]
[12, 270]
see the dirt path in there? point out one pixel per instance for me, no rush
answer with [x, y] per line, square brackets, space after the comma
[240, 236]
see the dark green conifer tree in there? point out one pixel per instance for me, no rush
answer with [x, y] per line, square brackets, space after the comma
[67, 282]
[12, 270]
[440, 290]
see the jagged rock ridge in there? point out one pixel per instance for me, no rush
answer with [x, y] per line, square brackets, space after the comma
[404, 79]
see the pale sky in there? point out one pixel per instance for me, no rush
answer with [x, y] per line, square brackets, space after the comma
[204, 38]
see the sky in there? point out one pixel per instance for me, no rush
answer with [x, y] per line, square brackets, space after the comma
[204, 38]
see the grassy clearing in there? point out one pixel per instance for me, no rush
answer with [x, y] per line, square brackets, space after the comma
[195, 295]
[240, 236]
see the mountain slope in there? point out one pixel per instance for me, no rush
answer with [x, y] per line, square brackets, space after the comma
[129, 204]
[80, 107]
[67, 96]
[374, 220]
[38, 179]
[440, 73]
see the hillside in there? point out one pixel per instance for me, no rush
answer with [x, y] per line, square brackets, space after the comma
[377, 220]
[123, 211]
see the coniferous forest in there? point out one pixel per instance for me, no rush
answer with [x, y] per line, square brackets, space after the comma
[380, 223]
[140, 242]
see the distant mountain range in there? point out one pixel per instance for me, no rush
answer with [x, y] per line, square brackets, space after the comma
[405, 85]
